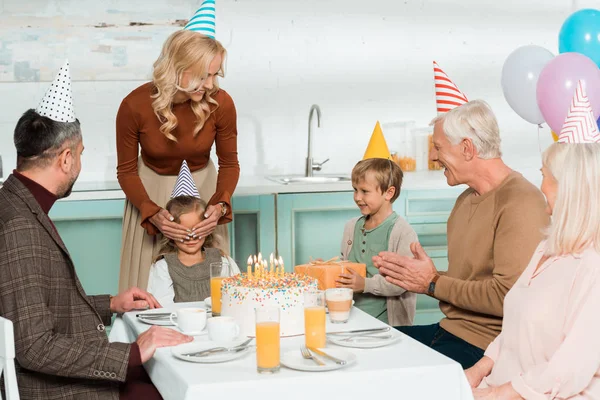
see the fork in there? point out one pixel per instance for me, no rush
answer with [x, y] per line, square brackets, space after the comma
[308, 355]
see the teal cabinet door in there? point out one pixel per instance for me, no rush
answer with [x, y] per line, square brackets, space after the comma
[91, 230]
[253, 227]
[311, 225]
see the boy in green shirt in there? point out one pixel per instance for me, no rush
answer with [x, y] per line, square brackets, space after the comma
[376, 183]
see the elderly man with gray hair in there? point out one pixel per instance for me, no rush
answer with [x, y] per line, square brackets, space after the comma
[492, 232]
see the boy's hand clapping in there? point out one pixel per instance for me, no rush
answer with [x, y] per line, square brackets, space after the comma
[351, 280]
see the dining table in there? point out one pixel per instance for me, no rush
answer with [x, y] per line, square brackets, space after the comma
[404, 369]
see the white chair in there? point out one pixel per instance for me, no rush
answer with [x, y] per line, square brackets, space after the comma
[7, 359]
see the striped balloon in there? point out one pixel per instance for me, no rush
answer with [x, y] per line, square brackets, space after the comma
[580, 125]
[203, 20]
[447, 95]
[185, 185]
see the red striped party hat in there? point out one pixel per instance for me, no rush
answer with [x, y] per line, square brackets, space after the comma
[447, 95]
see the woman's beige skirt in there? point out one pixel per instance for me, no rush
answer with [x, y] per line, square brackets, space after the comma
[137, 247]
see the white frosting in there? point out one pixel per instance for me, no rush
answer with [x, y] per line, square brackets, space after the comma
[240, 302]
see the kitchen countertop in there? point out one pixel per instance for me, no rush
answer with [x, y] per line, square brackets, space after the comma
[257, 185]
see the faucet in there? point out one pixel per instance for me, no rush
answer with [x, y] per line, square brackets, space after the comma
[310, 164]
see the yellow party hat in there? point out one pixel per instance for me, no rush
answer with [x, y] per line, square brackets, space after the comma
[377, 147]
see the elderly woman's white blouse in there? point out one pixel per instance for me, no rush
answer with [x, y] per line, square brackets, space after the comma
[160, 283]
[549, 346]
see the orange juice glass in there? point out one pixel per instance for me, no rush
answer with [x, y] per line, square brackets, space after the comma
[218, 271]
[314, 318]
[267, 340]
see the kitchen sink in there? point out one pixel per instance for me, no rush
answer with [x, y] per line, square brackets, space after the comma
[290, 179]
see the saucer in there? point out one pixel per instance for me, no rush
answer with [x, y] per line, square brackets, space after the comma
[195, 333]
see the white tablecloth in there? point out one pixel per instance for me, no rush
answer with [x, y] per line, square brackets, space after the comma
[404, 370]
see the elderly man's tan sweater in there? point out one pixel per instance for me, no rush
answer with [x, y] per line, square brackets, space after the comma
[491, 239]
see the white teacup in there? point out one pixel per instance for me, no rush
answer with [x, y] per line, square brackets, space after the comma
[189, 320]
[222, 329]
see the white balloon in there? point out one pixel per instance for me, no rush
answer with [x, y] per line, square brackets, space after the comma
[520, 75]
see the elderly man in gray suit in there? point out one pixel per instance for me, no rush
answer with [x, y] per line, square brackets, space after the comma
[62, 350]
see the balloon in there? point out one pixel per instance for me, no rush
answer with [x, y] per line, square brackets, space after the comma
[580, 33]
[520, 75]
[557, 83]
[554, 136]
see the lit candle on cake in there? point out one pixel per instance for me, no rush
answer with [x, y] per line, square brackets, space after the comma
[281, 266]
[272, 266]
[249, 267]
[276, 263]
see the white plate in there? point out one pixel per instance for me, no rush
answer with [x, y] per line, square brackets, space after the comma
[293, 359]
[365, 342]
[178, 352]
[160, 322]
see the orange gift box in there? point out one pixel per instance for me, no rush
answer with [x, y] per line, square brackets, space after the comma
[327, 272]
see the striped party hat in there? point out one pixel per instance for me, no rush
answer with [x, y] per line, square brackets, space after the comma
[447, 95]
[580, 125]
[185, 185]
[57, 103]
[203, 20]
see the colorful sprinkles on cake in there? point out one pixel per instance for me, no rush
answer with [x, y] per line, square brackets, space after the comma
[265, 288]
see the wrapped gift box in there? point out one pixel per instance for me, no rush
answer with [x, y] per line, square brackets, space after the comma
[327, 272]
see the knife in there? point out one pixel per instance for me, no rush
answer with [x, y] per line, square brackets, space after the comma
[332, 358]
[146, 315]
[384, 329]
[219, 350]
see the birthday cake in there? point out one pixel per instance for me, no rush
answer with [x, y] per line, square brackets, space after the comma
[241, 294]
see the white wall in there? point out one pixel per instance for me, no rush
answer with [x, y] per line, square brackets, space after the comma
[360, 61]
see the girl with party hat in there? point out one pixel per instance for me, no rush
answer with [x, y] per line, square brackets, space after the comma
[181, 269]
[548, 346]
[376, 181]
[179, 115]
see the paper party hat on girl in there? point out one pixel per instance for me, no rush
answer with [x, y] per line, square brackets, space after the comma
[447, 95]
[57, 103]
[203, 20]
[377, 147]
[580, 125]
[185, 185]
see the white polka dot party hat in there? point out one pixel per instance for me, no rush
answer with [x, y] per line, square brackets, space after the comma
[203, 20]
[185, 185]
[57, 103]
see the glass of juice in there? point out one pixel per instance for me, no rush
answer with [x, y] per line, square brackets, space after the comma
[314, 318]
[218, 272]
[267, 339]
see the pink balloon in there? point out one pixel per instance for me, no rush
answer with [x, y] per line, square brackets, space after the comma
[557, 83]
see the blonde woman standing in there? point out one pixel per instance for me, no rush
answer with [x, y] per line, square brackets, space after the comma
[178, 116]
[548, 347]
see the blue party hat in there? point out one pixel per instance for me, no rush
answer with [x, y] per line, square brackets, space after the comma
[203, 20]
[185, 185]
